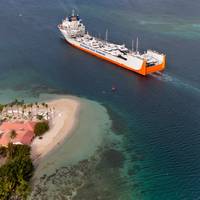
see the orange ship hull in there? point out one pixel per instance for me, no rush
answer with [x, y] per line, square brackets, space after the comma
[143, 71]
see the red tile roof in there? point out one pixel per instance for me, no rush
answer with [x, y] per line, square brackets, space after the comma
[24, 131]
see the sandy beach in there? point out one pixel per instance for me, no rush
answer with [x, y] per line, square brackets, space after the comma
[64, 120]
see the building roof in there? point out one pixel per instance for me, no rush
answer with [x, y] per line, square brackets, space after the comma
[24, 132]
[17, 126]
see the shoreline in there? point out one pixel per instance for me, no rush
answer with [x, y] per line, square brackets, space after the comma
[62, 126]
[90, 132]
[66, 171]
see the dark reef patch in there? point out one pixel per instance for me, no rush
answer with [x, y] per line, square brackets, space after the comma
[97, 178]
[112, 159]
[118, 122]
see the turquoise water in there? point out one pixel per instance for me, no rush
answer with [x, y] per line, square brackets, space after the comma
[157, 116]
[82, 160]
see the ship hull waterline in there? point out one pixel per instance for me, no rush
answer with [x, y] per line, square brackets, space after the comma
[143, 71]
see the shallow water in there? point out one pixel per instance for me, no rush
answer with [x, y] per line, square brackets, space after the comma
[92, 127]
[85, 157]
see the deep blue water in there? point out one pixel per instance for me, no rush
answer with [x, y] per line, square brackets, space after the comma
[160, 114]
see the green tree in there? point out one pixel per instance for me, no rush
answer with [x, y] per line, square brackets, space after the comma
[41, 128]
[13, 134]
[3, 151]
[10, 150]
[18, 151]
[1, 107]
[23, 189]
[16, 173]
[39, 117]
[11, 106]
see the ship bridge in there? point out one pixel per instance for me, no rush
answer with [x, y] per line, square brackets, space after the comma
[73, 17]
[73, 26]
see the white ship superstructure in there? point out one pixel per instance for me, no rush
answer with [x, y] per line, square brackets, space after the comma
[75, 33]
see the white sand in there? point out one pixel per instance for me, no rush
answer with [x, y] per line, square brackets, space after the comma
[66, 113]
[91, 131]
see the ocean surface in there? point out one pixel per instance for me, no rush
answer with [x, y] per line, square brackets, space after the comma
[156, 117]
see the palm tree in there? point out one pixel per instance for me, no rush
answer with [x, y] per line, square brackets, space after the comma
[36, 104]
[11, 106]
[17, 105]
[31, 105]
[46, 105]
[22, 116]
[30, 110]
[1, 107]
[13, 134]
[30, 114]
[47, 115]
[5, 108]
[21, 104]
[23, 109]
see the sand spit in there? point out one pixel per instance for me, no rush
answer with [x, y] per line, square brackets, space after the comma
[64, 120]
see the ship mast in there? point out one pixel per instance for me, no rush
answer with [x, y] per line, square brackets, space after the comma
[132, 45]
[73, 13]
[137, 45]
[106, 35]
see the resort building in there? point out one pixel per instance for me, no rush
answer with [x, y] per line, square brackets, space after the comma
[16, 133]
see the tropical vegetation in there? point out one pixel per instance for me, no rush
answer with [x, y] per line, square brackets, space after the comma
[41, 128]
[16, 173]
[16, 167]
[3, 151]
[13, 134]
[21, 110]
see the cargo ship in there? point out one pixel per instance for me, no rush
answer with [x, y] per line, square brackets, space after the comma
[74, 32]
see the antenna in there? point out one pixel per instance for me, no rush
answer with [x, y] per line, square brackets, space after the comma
[106, 35]
[132, 45]
[73, 12]
[137, 44]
